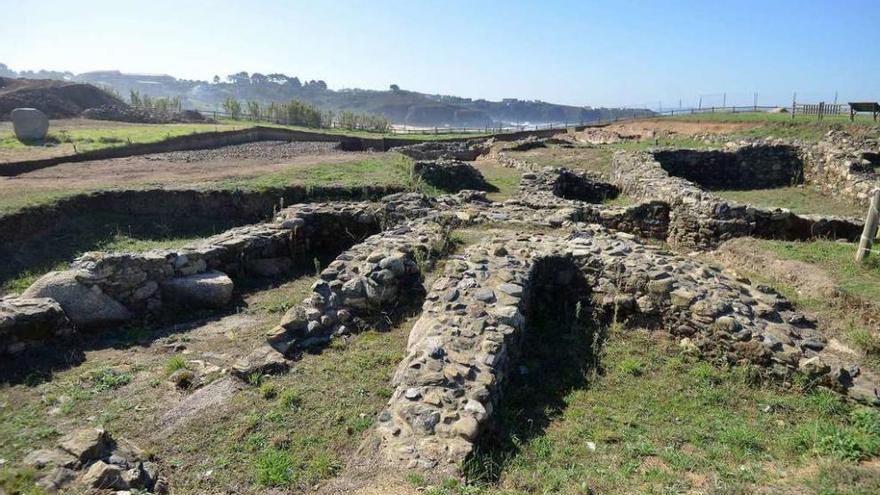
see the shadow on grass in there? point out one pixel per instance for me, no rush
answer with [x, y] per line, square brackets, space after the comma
[561, 351]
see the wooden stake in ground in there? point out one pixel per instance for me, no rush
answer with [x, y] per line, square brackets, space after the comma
[870, 231]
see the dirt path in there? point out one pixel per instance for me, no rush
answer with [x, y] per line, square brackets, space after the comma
[179, 168]
[647, 128]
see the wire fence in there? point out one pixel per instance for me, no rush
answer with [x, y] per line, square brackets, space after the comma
[819, 110]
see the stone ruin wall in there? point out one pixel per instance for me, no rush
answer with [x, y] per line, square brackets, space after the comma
[844, 165]
[467, 340]
[110, 288]
[700, 219]
[749, 167]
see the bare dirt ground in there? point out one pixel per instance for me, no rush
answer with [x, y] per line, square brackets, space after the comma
[179, 169]
[647, 128]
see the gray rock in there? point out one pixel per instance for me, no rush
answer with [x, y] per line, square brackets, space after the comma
[57, 479]
[211, 289]
[50, 457]
[29, 124]
[87, 444]
[264, 359]
[84, 306]
[104, 476]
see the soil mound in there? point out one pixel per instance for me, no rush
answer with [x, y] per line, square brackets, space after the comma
[57, 99]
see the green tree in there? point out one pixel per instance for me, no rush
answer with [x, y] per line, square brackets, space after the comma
[232, 107]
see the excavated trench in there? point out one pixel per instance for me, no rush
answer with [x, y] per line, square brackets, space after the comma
[569, 185]
[37, 238]
[753, 167]
[162, 287]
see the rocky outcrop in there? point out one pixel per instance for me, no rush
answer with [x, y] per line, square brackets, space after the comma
[85, 305]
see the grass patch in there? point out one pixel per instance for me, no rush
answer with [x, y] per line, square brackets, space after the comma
[382, 169]
[174, 363]
[106, 378]
[798, 199]
[687, 426]
[859, 279]
[505, 179]
[85, 138]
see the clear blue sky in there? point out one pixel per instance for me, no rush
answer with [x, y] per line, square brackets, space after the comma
[577, 52]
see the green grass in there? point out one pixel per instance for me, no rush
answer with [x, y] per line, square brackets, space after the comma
[505, 179]
[781, 125]
[679, 425]
[382, 169]
[104, 136]
[83, 138]
[859, 279]
[798, 199]
[174, 363]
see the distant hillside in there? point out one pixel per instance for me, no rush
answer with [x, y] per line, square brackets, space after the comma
[398, 105]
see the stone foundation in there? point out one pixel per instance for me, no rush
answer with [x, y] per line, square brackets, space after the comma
[749, 167]
[122, 286]
[699, 219]
[467, 340]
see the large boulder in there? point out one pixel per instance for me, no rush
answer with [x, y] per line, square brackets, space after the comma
[85, 306]
[30, 124]
[210, 289]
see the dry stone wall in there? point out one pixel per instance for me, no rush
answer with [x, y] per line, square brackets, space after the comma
[842, 164]
[101, 289]
[358, 288]
[748, 167]
[464, 345]
[700, 219]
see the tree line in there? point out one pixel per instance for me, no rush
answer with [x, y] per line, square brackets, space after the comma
[296, 112]
[161, 106]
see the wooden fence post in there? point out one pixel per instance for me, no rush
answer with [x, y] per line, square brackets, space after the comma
[870, 231]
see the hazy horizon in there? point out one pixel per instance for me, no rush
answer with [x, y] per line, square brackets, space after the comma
[577, 53]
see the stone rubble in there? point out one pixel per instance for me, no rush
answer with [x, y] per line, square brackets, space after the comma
[89, 458]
